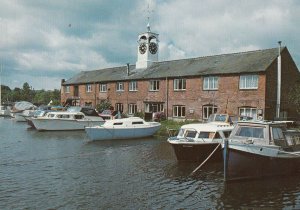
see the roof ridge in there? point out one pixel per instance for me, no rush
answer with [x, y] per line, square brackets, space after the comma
[224, 54]
[113, 67]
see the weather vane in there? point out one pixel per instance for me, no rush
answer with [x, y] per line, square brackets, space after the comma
[148, 16]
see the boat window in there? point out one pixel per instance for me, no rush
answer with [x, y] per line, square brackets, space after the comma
[190, 134]
[138, 122]
[292, 138]
[203, 135]
[226, 133]
[255, 132]
[278, 137]
[220, 118]
[51, 115]
[78, 116]
[217, 135]
[181, 132]
[63, 116]
[277, 133]
[118, 123]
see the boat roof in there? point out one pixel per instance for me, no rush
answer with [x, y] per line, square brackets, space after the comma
[209, 127]
[67, 113]
[261, 122]
[128, 119]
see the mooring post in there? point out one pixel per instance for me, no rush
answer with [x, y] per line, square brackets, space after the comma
[225, 158]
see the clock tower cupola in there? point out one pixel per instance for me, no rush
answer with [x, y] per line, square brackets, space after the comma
[147, 49]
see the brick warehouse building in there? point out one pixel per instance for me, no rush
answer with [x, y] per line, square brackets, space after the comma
[238, 84]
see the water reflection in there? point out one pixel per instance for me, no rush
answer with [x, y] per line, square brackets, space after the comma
[64, 170]
[278, 193]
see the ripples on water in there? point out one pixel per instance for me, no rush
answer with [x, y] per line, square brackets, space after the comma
[63, 170]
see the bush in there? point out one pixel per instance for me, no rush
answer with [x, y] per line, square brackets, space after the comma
[139, 114]
[104, 105]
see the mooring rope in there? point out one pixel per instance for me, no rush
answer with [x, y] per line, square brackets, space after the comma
[205, 160]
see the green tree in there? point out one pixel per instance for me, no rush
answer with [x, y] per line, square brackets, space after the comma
[26, 92]
[5, 93]
[17, 94]
[44, 97]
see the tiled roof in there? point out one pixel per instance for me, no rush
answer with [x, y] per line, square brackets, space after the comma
[244, 62]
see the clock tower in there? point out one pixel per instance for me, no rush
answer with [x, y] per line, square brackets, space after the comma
[147, 49]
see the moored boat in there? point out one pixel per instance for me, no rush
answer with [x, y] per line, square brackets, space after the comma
[4, 111]
[62, 121]
[261, 149]
[21, 110]
[124, 128]
[196, 141]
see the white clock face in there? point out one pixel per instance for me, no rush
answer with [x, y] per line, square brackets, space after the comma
[152, 48]
[142, 48]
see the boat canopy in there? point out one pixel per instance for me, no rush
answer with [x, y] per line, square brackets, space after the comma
[23, 105]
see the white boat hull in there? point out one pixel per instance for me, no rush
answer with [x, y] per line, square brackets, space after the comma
[19, 117]
[103, 133]
[4, 113]
[63, 125]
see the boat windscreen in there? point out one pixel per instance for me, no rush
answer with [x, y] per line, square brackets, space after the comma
[204, 134]
[254, 132]
[74, 109]
[190, 134]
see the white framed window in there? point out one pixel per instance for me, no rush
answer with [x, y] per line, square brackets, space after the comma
[178, 111]
[132, 108]
[208, 110]
[103, 87]
[210, 83]
[248, 81]
[154, 107]
[67, 89]
[154, 85]
[119, 107]
[248, 112]
[179, 84]
[120, 86]
[88, 88]
[133, 86]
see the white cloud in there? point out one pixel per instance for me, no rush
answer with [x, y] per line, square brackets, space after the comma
[213, 27]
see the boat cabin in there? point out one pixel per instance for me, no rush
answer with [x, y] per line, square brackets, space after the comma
[124, 122]
[266, 133]
[65, 115]
[200, 132]
[220, 118]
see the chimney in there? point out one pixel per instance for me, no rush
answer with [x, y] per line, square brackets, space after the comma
[127, 69]
[278, 81]
[62, 81]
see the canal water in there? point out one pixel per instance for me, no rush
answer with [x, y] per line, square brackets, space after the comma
[63, 170]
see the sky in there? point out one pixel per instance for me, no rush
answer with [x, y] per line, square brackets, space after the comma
[44, 41]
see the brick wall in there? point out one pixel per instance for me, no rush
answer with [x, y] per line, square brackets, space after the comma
[289, 76]
[228, 98]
